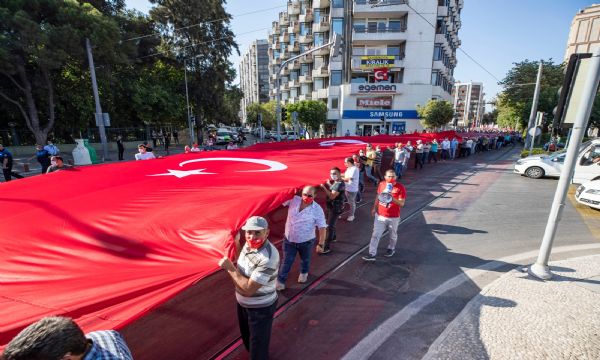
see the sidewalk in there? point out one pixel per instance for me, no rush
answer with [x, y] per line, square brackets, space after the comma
[520, 317]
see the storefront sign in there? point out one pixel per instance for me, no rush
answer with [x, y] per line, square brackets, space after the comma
[384, 102]
[374, 88]
[377, 114]
[370, 62]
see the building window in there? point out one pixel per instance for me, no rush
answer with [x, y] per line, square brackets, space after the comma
[435, 78]
[358, 50]
[437, 52]
[304, 69]
[395, 26]
[335, 103]
[337, 4]
[337, 25]
[294, 92]
[318, 39]
[359, 25]
[318, 83]
[336, 78]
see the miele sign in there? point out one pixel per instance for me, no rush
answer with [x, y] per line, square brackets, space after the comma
[378, 88]
[385, 102]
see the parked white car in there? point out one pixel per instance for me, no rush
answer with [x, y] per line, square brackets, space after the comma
[537, 166]
[289, 135]
[587, 166]
[589, 194]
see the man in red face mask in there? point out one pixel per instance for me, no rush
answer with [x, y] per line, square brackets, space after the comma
[303, 216]
[390, 198]
[254, 279]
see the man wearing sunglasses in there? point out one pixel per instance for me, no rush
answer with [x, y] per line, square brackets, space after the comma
[304, 215]
[391, 196]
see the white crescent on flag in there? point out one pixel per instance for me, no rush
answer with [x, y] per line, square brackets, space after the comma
[273, 166]
[342, 141]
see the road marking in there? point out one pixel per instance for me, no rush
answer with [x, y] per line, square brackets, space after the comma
[376, 338]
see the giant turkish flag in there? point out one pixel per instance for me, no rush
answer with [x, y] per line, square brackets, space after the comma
[105, 244]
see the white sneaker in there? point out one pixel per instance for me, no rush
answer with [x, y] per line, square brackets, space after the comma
[302, 278]
[350, 218]
[279, 286]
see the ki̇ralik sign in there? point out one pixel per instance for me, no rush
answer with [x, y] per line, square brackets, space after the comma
[371, 62]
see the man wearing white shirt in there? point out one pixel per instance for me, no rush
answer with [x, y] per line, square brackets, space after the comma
[351, 178]
[445, 149]
[143, 154]
[304, 215]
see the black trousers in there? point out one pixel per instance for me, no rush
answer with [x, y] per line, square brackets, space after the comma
[8, 173]
[255, 328]
[332, 218]
[121, 151]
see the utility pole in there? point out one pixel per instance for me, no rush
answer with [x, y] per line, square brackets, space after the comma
[540, 269]
[534, 106]
[187, 101]
[99, 117]
[336, 43]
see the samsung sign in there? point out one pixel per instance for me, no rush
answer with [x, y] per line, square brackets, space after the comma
[375, 88]
[377, 114]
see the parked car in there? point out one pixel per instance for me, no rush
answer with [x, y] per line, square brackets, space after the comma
[586, 167]
[589, 194]
[289, 135]
[223, 137]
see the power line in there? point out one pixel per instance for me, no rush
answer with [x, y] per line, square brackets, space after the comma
[459, 48]
[204, 42]
[207, 22]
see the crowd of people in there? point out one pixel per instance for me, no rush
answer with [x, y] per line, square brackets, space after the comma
[259, 271]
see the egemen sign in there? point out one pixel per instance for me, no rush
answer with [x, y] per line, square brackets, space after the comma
[375, 88]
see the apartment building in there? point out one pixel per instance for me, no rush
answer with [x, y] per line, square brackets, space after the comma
[254, 75]
[469, 104]
[397, 54]
[584, 36]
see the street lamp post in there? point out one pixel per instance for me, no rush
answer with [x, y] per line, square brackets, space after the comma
[336, 43]
[187, 101]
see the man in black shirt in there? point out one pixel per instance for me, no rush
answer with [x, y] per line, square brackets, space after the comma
[335, 188]
[6, 159]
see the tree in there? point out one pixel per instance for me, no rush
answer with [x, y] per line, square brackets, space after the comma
[508, 115]
[203, 42]
[519, 86]
[231, 104]
[311, 113]
[39, 38]
[436, 113]
[490, 117]
[267, 111]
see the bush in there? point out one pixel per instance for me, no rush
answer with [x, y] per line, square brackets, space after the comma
[535, 151]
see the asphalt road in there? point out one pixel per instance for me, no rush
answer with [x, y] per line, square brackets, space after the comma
[460, 216]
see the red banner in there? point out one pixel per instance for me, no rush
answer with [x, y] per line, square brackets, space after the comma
[105, 244]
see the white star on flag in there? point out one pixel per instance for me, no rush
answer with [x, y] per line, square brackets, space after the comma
[183, 173]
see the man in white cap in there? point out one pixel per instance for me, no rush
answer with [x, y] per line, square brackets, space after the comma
[254, 280]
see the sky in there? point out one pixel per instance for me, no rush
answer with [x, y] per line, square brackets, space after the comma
[494, 33]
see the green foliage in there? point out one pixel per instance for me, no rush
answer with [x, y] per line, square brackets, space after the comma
[311, 113]
[436, 113]
[231, 105]
[535, 151]
[490, 117]
[268, 114]
[519, 84]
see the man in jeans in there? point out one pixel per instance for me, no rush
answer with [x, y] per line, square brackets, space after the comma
[254, 279]
[386, 210]
[334, 188]
[304, 214]
[351, 178]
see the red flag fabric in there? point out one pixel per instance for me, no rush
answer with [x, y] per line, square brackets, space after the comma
[105, 244]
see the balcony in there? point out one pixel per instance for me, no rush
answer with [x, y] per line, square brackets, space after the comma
[285, 71]
[275, 28]
[379, 34]
[387, 8]
[305, 97]
[284, 37]
[284, 19]
[276, 61]
[308, 17]
[293, 83]
[294, 47]
[306, 59]
[321, 26]
[356, 61]
[320, 94]
[294, 7]
[323, 71]
[283, 55]
[285, 86]
[294, 65]
[294, 27]
[305, 39]
[306, 79]
[323, 51]
[276, 45]
[320, 4]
